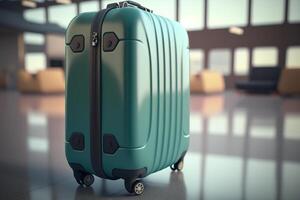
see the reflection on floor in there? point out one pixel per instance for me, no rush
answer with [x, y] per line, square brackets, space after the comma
[242, 147]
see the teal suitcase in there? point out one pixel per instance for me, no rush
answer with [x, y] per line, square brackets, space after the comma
[127, 94]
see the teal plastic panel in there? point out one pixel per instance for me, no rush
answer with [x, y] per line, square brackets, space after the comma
[145, 91]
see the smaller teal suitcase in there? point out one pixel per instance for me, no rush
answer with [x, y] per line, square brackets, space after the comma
[127, 94]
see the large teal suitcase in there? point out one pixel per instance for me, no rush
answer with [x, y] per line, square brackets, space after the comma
[127, 94]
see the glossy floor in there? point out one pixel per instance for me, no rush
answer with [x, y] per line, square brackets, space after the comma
[242, 147]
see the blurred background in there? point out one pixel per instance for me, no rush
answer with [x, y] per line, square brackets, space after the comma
[245, 105]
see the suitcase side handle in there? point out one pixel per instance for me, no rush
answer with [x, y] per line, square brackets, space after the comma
[124, 4]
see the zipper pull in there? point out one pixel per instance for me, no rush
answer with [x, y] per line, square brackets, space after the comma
[94, 39]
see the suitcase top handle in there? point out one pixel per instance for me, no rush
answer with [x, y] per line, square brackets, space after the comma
[124, 4]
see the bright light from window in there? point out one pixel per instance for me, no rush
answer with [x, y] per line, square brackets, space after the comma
[165, 8]
[34, 38]
[192, 14]
[89, 6]
[294, 11]
[241, 61]
[219, 60]
[35, 62]
[227, 13]
[265, 56]
[267, 12]
[62, 14]
[37, 15]
[293, 57]
[196, 60]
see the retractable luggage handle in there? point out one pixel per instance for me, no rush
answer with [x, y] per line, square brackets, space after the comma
[124, 4]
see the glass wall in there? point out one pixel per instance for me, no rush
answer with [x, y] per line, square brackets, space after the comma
[35, 62]
[294, 13]
[219, 60]
[166, 8]
[293, 57]
[220, 15]
[34, 38]
[37, 15]
[224, 14]
[241, 61]
[89, 6]
[62, 14]
[196, 61]
[267, 12]
[265, 57]
[191, 14]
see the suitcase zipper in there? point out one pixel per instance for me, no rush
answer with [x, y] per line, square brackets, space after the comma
[94, 39]
[95, 94]
[96, 87]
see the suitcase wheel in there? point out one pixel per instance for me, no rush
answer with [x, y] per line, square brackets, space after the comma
[84, 179]
[178, 165]
[134, 186]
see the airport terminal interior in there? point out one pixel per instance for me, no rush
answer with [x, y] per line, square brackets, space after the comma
[244, 102]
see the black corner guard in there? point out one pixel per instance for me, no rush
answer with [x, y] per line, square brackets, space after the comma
[77, 141]
[110, 144]
[129, 173]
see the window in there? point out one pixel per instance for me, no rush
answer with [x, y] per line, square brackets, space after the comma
[104, 3]
[35, 62]
[265, 56]
[219, 60]
[294, 14]
[89, 6]
[34, 38]
[37, 15]
[267, 12]
[224, 14]
[191, 14]
[62, 14]
[196, 60]
[293, 57]
[241, 61]
[164, 8]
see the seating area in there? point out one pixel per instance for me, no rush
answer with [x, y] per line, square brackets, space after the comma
[272, 79]
[261, 80]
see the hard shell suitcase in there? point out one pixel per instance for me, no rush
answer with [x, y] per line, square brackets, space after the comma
[127, 94]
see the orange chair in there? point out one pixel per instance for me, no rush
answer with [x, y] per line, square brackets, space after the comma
[45, 81]
[289, 82]
[207, 81]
